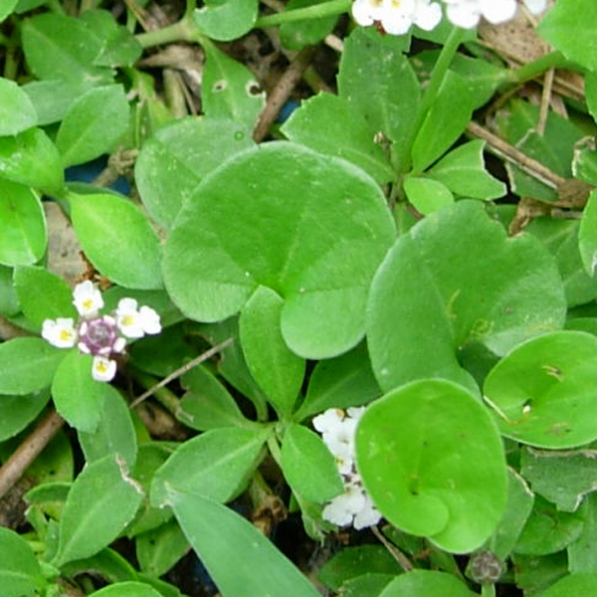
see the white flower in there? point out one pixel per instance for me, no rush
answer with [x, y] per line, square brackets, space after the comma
[397, 16]
[467, 13]
[329, 420]
[367, 516]
[135, 323]
[103, 369]
[60, 332]
[87, 299]
[342, 509]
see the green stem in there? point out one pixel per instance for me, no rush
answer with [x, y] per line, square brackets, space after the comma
[536, 68]
[190, 8]
[488, 590]
[438, 76]
[317, 11]
[184, 30]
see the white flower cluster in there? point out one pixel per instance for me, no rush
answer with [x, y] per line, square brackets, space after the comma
[354, 506]
[99, 335]
[398, 16]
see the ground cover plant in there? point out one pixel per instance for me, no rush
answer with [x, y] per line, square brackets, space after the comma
[298, 298]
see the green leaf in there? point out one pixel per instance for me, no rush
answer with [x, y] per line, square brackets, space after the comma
[20, 573]
[340, 383]
[433, 462]
[352, 562]
[330, 124]
[225, 20]
[261, 572]
[518, 509]
[548, 530]
[229, 90]
[562, 477]
[27, 365]
[296, 35]
[207, 404]
[93, 125]
[43, 295]
[535, 573]
[118, 239]
[77, 396]
[372, 62]
[31, 159]
[216, 464]
[463, 172]
[115, 433]
[427, 195]
[438, 133]
[23, 235]
[127, 589]
[16, 412]
[277, 370]
[61, 47]
[101, 502]
[172, 162]
[6, 8]
[255, 212]
[426, 583]
[457, 273]
[587, 237]
[9, 302]
[573, 585]
[308, 466]
[591, 93]
[159, 549]
[544, 390]
[582, 556]
[17, 113]
[568, 26]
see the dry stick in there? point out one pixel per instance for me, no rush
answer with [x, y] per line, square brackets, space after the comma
[182, 370]
[545, 101]
[281, 92]
[28, 451]
[394, 551]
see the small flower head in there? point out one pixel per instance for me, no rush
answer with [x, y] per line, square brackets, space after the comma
[99, 337]
[60, 332]
[103, 369]
[87, 299]
[134, 322]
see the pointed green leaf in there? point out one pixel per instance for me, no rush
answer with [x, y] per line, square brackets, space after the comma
[16, 412]
[427, 195]
[20, 573]
[573, 585]
[17, 113]
[433, 462]
[101, 502]
[127, 589]
[261, 572]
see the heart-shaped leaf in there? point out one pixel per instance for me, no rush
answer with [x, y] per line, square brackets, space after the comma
[311, 227]
[544, 391]
[453, 285]
[433, 462]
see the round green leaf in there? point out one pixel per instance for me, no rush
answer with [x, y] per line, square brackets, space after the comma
[101, 502]
[27, 365]
[93, 125]
[20, 573]
[587, 235]
[23, 235]
[43, 295]
[118, 239]
[310, 227]
[16, 110]
[77, 396]
[544, 391]
[433, 462]
[228, 19]
[31, 159]
[277, 370]
[426, 583]
[172, 162]
[309, 466]
[453, 287]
